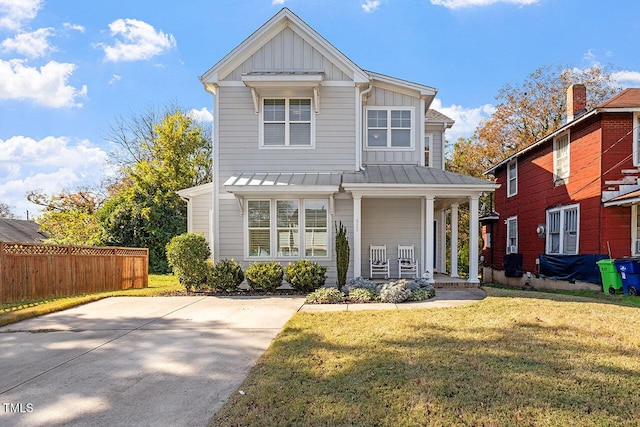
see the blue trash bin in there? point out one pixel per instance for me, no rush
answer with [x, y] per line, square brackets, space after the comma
[629, 269]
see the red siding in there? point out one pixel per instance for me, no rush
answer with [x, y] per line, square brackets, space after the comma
[600, 148]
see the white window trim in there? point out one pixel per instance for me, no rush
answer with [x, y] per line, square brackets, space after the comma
[556, 179]
[636, 139]
[561, 209]
[510, 250]
[513, 163]
[273, 230]
[635, 237]
[286, 145]
[389, 147]
[430, 148]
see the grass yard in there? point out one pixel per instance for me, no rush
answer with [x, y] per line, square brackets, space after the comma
[15, 312]
[516, 358]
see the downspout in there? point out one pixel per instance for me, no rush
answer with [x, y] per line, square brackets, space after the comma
[359, 146]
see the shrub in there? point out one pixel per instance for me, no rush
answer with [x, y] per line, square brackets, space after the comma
[187, 255]
[342, 254]
[264, 276]
[305, 275]
[418, 295]
[360, 283]
[395, 292]
[325, 296]
[362, 295]
[226, 275]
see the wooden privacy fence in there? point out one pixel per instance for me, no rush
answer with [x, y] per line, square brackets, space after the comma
[33, 271]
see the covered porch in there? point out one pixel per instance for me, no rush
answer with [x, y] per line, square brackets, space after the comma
[400, 204]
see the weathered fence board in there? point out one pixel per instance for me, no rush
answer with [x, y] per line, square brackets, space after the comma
[33, 271]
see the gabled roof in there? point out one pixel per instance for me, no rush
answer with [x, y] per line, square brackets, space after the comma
[435, 116]
[627, 100]
[20, 231]
[423, 89]
[196, 191]
[284, 18]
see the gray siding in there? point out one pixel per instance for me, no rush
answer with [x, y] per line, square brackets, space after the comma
[437, 150]
[390, 222]
[201, 206]
[239, 145]
[386, 98]
[231, 236]
[287, 51]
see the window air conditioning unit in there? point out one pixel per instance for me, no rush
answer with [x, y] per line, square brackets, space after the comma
[637, 246]
[511, 249]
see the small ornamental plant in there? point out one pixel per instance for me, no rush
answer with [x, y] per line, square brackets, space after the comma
[363, 295]
[396, 292]
[226, 275]
[325, 296]
[305, 275]
[264, 276]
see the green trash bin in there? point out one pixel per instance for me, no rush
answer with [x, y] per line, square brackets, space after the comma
[611, 280]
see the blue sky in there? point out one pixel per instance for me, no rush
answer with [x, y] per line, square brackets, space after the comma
[69, 68]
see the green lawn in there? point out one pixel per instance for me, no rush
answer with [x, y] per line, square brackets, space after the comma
[14, 312]
[515, 358]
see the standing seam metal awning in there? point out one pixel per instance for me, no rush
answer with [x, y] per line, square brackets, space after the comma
[302, 182]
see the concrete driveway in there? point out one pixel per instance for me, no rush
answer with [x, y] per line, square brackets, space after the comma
[128, 361]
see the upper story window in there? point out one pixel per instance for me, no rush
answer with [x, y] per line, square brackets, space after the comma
[561, 159]
[428, 139]
[512, 178]
[287, 122]
[563, 225]
[389, 127]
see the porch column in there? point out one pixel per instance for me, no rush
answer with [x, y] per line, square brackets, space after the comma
[454, 240]
[430, 236]
[357, 236]
[473, 238]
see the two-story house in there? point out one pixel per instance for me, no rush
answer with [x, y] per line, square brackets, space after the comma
[570, 198]
[304, 139]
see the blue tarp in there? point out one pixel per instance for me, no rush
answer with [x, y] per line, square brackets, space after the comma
[572, 267]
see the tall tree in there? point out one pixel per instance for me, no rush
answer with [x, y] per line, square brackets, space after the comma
[68, 218]
[156, 161]
[536, 107]
[5, 211]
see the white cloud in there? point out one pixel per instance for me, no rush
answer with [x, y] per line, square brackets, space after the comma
[33, 45]
[370, 5]
[202, 115]
[276, 2]
[460, 4]
[74, 27]
[626, 78]
[13, 13]
[47, 86]
[115, 78]
[138, 41]
[467, 119]
[50, 164]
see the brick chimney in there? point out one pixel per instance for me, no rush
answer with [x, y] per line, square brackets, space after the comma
[576, 100]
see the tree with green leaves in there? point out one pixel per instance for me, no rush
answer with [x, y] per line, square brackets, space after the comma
[157, 157]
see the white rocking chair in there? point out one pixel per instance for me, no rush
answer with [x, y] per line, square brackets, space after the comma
[407, 262]
[378, 262]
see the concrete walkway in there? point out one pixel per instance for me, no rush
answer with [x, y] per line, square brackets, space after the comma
[165, 361]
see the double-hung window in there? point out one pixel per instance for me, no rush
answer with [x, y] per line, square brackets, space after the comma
[512, 178]
[561, 151]
[275, 228]
[563, 226]
[512, 235]
[389, 128]
[287, 122]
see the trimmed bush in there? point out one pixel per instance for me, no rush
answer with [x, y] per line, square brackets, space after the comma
[305, 275]
[395, 292]
[264, 276]
[325, 296]
[360, 283]
[187, 255]
[226, 275]
[362, 295]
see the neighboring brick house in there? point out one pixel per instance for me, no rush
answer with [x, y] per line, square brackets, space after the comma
[570, 197]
